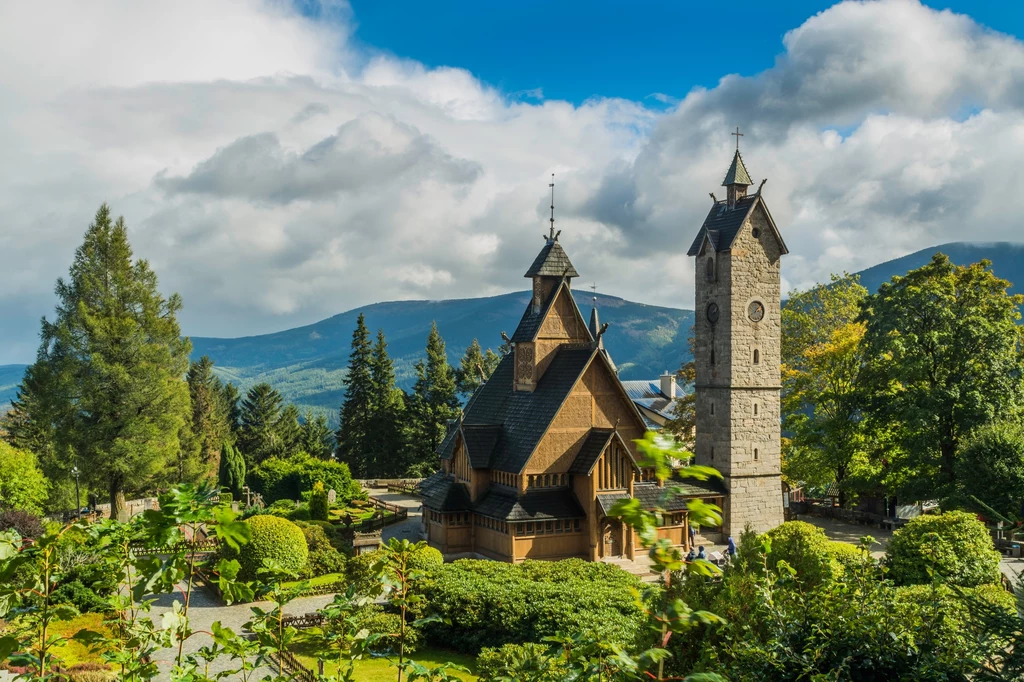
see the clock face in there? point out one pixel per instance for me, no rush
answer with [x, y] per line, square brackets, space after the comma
[712, 312]
[755, 311]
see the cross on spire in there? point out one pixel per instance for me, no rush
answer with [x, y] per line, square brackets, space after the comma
[551, 235]
[738, 135]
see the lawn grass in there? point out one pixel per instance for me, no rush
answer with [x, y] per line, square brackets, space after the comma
[73, 652]
[307, 649]
[326, 579]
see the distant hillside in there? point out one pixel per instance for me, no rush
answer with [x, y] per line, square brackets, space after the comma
[307, 363]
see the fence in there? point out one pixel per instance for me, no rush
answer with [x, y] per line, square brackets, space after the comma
[386, 513]
[287, 660]
[204, 546]
[403, 487]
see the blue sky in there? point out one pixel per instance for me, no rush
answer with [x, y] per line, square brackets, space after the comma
[574, 50]
[279, 163]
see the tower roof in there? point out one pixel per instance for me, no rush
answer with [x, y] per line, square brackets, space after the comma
[595, 324]
[737, 173]
[552, 261]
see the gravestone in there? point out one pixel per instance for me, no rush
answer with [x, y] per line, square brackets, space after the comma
[331, 496]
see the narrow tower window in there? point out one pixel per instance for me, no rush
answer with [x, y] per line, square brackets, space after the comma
[755, 409]
[712, 356]
[755, 454]
[712, 408]
[710, 270]
[757, 356]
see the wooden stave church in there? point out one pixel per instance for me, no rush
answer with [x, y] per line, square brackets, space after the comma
[545, 447]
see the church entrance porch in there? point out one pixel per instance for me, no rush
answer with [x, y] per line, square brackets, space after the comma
[615, 540]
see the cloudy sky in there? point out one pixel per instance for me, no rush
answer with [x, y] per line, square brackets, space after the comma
[278, 163]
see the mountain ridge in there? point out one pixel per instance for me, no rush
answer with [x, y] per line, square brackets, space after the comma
[307, 363]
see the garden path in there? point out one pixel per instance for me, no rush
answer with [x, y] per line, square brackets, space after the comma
[409, 529]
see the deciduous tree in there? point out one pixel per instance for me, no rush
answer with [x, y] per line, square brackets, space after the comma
[22, 485]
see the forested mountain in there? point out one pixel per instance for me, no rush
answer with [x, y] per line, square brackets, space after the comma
[307, 363]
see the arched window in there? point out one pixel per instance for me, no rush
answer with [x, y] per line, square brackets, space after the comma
[709, 270]
[757, 356]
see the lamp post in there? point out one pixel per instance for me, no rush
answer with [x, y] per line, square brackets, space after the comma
[78, 498]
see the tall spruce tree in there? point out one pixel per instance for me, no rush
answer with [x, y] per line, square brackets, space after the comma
[386, 445]
[354, 432]
[258, 435]
[113, 362]
[231, 474]
[433, 403]
[232, 402]
[210, 427]
[289, 430]
[317, 439]
[474, 364]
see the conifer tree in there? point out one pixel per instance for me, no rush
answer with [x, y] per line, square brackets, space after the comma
[258, 436]
[289, 430]
[317, 439]
[354, 431]
[113, 362]
[319, 508]
[209, 424]
[432, 405]
[232, 404]
[231, 474]
[474, 362]
[386, 445]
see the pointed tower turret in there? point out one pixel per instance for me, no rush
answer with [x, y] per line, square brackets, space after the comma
[737, 180]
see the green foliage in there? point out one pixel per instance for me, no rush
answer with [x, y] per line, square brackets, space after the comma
[354, 433]
[22, 485]
[433, 402]
[990, 466]
[474, 363]
[943, 352]
[318, 506]
[485, 603]
[953, 547]
[363, 571]
[110, 366]
[210, 427]
[378, 622]
[271, 539]
[519, 662]
[805, 548]
[231, 472]
[385, 451]
[317, 439]
[324, 558]
[822, 357]
[286, 479]
[266, 428]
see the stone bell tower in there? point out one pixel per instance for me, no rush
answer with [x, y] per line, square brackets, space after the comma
[737, 330]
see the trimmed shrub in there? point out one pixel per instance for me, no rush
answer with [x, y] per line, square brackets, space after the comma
[806, 548]
[323, 557]
[78, 595]
[509, 662]
[378, 621]
[490, 603]
[277, 478]
[955, 546]
[318, 506]
[271, 537]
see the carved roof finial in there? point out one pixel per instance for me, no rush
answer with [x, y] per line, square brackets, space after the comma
[552, 236]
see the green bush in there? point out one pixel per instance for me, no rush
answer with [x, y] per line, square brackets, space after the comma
[318, 507]
[278, 478]
[323, 558]
[955, 546]
[378, 621]
[509, 661]
[486, 603]
[271, 537]
[990, 467]
[78, 595]
[806, 548]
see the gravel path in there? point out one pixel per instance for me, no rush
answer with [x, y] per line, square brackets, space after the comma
[206, 609]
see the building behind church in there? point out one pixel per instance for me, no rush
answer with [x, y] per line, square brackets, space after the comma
[545, 446]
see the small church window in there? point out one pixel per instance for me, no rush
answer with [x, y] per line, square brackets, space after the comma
[755, 454]
[712, 356]
[710, 270]
[712, 408]
[757, 356]
[756, 232]
[755, 409]
[712, 452]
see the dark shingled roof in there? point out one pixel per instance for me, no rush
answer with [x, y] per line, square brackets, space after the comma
[606, 500]
[440, 492]
[597, 440]
[697, 488]
[552, 261]
[447, 445]
[723, 224]
[533, 506]
[737, 173]
[480, 441]
[525, 415]
[651, 495]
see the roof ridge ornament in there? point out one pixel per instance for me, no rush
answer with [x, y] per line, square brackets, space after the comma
[552, 235]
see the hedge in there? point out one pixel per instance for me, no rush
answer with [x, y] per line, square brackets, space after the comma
[271, 537]
[808, 550]
[286, 479]
[486, 603]
[954, 546]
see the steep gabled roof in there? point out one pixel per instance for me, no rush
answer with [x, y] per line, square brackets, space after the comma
[524, 416]
[595, 444]
[533, 506]
[441, 492]
[737, 173]
[530, 323]
[480, 440]
[722, 224]
[552, 261]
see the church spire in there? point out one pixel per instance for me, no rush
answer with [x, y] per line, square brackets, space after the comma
[736, 178]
